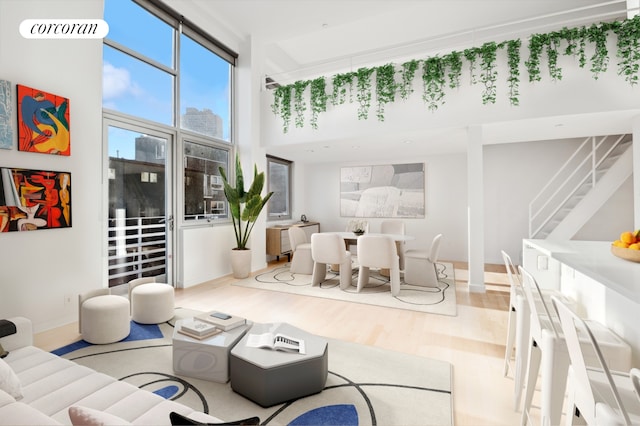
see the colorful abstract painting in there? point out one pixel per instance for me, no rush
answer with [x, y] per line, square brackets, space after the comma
[43, 122]
[34, 199]
[6, 111]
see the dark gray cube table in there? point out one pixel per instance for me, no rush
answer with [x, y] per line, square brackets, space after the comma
[269, 377]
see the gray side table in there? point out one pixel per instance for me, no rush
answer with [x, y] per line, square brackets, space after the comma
[269, 377]
[206, 359]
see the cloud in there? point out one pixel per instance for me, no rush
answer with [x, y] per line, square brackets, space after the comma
[116, 82]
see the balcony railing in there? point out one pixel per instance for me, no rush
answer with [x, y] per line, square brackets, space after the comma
[137, 248]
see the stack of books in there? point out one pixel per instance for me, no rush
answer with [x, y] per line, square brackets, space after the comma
[221, 320]
[198, 329]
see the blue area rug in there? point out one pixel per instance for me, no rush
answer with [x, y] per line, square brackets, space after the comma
[138, 332]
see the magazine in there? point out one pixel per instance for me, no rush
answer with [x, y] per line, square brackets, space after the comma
[277, 342]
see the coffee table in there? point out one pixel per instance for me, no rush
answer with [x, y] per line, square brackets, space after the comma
[269, 377]
[206, 359]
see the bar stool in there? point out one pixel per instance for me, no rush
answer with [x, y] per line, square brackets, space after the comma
[518, 326]
[548, 352]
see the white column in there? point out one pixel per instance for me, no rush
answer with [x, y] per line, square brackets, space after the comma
[636, 172]
[475, 209]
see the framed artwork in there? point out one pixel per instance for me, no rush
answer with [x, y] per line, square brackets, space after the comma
[6, 111]
[394, 190]
[34, 199]
[43, 122]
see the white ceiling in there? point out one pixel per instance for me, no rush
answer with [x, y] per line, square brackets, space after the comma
[304, 38]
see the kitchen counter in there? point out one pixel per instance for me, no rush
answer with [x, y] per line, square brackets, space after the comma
[606, 288]
[595, 260]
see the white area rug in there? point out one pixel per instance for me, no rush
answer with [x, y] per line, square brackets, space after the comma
[365, 385]
[436, 300]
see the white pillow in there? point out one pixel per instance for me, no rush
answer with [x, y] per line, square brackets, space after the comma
[83, 416]
[9, 382]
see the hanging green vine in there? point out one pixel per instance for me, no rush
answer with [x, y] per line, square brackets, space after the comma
[553, 44]
[599, 61]
[363, 94]
[385, 87]
[408, 71]
[433, 79]
[342, 82]
[282, 105]
[536, 45]
[482, 68]
[453, 62]
[470, 55]
[628, 49]
[299, 104]
[318, 100]
[513, 61]
[489, 74]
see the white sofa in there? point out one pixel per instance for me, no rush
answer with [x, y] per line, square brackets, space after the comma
[50, 385]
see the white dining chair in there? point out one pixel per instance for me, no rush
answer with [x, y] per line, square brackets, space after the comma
[328, 249]
[378, 251]
[301, 261]
[395, 227]
[548, 357]
[420, 265]
[596, 394]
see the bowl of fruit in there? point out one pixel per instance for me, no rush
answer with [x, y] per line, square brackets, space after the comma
[628, 246]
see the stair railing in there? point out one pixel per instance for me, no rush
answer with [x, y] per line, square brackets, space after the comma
[562, 184]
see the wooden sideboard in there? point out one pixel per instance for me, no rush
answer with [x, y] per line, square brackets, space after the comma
[278, 237]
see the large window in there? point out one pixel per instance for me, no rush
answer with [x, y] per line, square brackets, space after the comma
[203, 186]
[279, 182]
[160, 68]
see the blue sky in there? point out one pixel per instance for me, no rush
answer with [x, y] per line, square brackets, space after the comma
[136, 88]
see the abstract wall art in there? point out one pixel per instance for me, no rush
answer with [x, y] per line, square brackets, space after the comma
[43, 122]
[6, 113]
[394, 190]
[34, 199]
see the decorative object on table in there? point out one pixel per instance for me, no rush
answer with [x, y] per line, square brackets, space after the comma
[244, 207]
[198, 329]
[628, 246]
[43, 122]
[35, 199]
[6, 113]
[221, 320]
[393, 190]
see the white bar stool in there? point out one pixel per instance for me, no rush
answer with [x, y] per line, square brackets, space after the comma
[548, 352]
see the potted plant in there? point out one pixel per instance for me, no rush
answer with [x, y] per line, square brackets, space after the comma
[244, 207]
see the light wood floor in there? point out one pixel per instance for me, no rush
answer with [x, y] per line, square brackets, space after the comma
[473, 341]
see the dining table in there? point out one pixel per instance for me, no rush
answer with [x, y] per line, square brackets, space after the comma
[351, 238]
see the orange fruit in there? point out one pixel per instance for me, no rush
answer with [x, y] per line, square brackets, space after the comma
[634, 246]
[627, 237]
[619, 243]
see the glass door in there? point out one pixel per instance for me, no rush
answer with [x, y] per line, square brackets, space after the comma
[140, 214]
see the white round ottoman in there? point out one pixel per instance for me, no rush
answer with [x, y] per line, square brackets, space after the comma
[152, 303]
[105, 319]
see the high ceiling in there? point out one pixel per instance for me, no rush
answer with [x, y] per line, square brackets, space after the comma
[306, 38]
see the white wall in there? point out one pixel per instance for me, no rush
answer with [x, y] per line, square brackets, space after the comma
[446, 202]
[39, 269]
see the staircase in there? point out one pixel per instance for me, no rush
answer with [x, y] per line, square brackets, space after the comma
[582, 185]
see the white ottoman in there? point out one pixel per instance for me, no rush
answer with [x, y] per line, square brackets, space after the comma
[152, 303]
[105, 319]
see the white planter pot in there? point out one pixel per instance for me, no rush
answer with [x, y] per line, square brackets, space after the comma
[241, 263]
